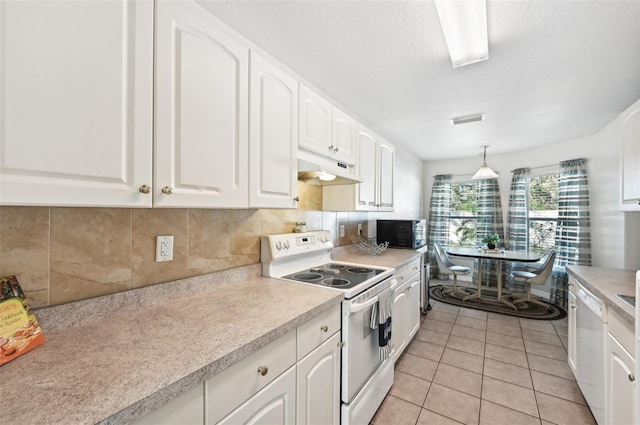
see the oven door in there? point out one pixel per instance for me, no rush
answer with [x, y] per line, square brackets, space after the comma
[360, 355]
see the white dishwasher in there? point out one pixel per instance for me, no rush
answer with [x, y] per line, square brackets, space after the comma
[590, 350]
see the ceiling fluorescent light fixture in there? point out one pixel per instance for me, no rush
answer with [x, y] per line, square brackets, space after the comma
[464, 23]
[485, 172]
[467, 119]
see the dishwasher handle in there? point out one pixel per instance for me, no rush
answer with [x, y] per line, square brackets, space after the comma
[592, 303]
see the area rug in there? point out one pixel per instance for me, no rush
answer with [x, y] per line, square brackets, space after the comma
[489, 302]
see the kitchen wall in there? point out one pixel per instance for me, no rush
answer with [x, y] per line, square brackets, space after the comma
[614, 235]
[67, 254]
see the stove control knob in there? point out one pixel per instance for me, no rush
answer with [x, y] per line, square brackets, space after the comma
[279, 245]
[287, 245]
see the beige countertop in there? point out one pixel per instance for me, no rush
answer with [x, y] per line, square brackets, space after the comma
[117, 368]
[605, 283]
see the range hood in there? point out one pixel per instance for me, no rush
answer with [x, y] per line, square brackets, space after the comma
[314, 169]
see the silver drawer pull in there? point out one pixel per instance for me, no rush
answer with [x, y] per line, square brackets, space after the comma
[263, 370]
[324, 328]
[631, 377]
[167, 190]
[145, 189]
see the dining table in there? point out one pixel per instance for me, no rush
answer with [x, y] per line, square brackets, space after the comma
[501, 255]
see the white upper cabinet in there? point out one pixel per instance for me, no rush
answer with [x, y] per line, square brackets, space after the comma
[76, 103]
[386, 155]
[326, 130]
[366, 191]
[630, 158]
[315, 122]
[201, 137]
[343, 137]
[273, 170]
[376, 159]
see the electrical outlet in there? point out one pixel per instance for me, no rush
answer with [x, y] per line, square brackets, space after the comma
[359, 229]
[342, 230]
[164, 248]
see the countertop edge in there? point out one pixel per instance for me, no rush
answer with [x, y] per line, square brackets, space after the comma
[177, 388]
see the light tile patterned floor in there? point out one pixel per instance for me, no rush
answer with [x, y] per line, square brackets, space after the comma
[472, 367]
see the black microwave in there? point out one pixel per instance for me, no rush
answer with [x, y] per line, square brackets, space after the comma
[402, 233]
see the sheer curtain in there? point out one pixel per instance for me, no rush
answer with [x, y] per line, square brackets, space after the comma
[439, 210]
[489, 221]
[573, 234]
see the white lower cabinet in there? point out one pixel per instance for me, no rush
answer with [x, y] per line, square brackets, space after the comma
[318, 389]
[275, 404]
[405, 316]
[398, 321]
[620, 385]
[571, 313]
[413, 313]
[186, 409]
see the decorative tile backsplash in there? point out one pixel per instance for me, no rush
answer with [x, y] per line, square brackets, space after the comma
[67, 254]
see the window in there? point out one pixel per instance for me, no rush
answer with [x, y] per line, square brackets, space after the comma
[463, 218]
[542, 212]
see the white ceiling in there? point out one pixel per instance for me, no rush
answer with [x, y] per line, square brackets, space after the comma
[557, 70]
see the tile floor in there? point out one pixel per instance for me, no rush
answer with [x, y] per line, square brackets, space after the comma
[472, 367]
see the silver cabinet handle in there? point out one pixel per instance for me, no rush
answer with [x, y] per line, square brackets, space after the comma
[573, 307]
[324, 328]
[263, 370]
[340, 345]
[335, 149]
[631, 377]
[167, 190]
[296, 199]
[145, 188]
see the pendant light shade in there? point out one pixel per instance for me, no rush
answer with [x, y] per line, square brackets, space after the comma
[485, 172]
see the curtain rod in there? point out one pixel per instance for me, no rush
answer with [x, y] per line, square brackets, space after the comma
[540, 166]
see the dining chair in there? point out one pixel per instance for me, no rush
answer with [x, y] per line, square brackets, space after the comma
[447, 267]
[537, 277]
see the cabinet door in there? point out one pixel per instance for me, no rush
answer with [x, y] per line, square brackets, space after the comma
[273, 176]
[399, 321]
[343, 136]
[620, 386]
[571, 349]
[275, 404]
[187, 409]
[366, 191]
[76, 102]
[631, 156]
[318, 389]
[413, 311]
[385, 174]
[201, 138]
[315, 122]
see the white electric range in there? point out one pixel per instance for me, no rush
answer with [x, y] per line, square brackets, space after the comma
[306, 258]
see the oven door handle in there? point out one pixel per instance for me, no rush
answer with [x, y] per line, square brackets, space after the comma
[354, 308]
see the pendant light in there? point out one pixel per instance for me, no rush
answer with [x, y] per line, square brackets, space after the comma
[485, 172]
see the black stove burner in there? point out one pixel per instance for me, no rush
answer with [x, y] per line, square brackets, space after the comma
[307, 276]
[360, 270]
[335, 282]
[335, 275]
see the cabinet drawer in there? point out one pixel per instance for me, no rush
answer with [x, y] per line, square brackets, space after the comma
[231, 387]
[621, 330]
[313, 333]
[404, 273]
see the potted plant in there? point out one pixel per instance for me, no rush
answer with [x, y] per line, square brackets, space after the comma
[491, 240]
